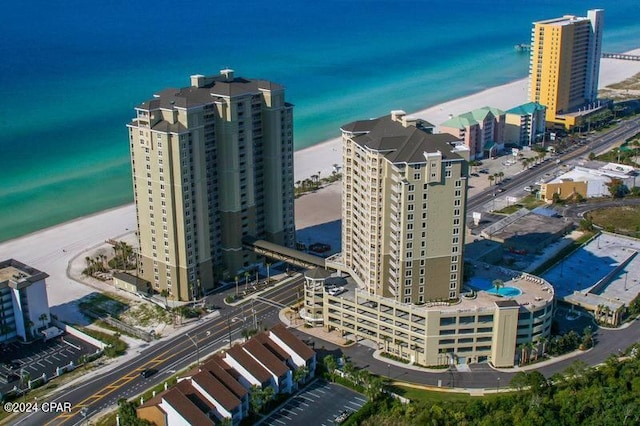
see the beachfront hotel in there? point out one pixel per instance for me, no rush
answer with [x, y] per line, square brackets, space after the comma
[564, 66]
[482, 131]
[400, 281]
[24, 306]
[212, 164]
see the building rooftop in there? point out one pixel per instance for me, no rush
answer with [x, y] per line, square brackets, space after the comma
[187, 409]
[526, 109]
[215, 367]
[204, 90]
[304, 351]
[216, 389]
[534, 292]
[472, 117]
[399, 143]
[266, 357]
[249, 364]
[18, 275]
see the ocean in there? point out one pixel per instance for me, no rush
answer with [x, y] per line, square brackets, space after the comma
[72, 71]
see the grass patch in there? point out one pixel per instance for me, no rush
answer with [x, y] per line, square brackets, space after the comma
[425, 396]
[622, 220]
[529, 202]
[145, 315]
[429, 396]
[115, 348]
[104, 303]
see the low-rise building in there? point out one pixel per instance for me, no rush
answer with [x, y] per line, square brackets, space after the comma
[482, 131]
[24, 307]
[219, 390]
[588, 181]
[524, 123]
[479, 327]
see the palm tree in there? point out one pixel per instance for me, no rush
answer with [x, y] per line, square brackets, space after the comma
[491, 178]
[300, 374]
[386, 339]
[330, 364]
[43, 318]
[246, 280]
[164, 293]
[500, 175]
[498, 284]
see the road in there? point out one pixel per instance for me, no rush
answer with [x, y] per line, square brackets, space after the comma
[167, 357]
[596, 143]
[103, 390]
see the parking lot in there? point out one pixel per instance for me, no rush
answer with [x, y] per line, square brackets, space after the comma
[320, 403]
[40, 358]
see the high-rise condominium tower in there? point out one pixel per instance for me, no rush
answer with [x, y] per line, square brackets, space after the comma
[212, 163]
[564, 66]
[403, 201]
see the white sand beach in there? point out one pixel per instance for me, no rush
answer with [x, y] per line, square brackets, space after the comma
[51, 250]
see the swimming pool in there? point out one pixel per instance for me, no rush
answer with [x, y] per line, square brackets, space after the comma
[506, 291]
[484, 284]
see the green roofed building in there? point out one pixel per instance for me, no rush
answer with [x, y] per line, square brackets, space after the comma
[482, 130]
[524, 123]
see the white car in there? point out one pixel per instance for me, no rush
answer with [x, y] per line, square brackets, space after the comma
[335, 291]
[528, 188]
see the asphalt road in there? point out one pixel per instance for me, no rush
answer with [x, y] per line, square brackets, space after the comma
[596, 143]
[103, 390]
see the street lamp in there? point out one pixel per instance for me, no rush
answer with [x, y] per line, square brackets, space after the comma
[498, 388]
[195, 342]
[84, 411]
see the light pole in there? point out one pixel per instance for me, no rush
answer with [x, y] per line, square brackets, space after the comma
[389, 371]
[195, 342]
[498, 388]
[84, 411]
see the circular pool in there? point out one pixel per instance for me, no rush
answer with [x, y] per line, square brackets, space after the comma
[505, 291]
[486, 285]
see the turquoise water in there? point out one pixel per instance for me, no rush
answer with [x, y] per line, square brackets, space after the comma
[72, 71]
[506, 291]
[486, 285]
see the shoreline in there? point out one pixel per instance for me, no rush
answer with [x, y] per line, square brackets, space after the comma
[320, 158]
[51, 249]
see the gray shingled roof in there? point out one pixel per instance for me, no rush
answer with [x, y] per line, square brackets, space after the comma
[398, 143]
[191, 96]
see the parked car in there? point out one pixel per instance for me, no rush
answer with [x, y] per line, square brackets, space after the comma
[342, 417]
[528, 188]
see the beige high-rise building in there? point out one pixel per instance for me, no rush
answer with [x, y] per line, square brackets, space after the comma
[404, 195]
[564, 66]
[212, 164]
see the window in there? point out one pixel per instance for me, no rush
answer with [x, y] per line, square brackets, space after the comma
[416, 176]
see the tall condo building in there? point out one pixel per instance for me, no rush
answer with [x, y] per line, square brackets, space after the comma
[564, 66]
[403, 203]
[212, 164]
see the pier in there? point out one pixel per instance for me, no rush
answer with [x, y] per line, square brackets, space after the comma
[622, 56]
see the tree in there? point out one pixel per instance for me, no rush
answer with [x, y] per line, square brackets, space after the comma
[330, 364]
[491, 179]
[165, 293]
[498, 284]
[44, 318]
[617, 188]
[127, 413]
[386, 339]
[256, 396]
[592, 156]
[246, 280]
[300, 374]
